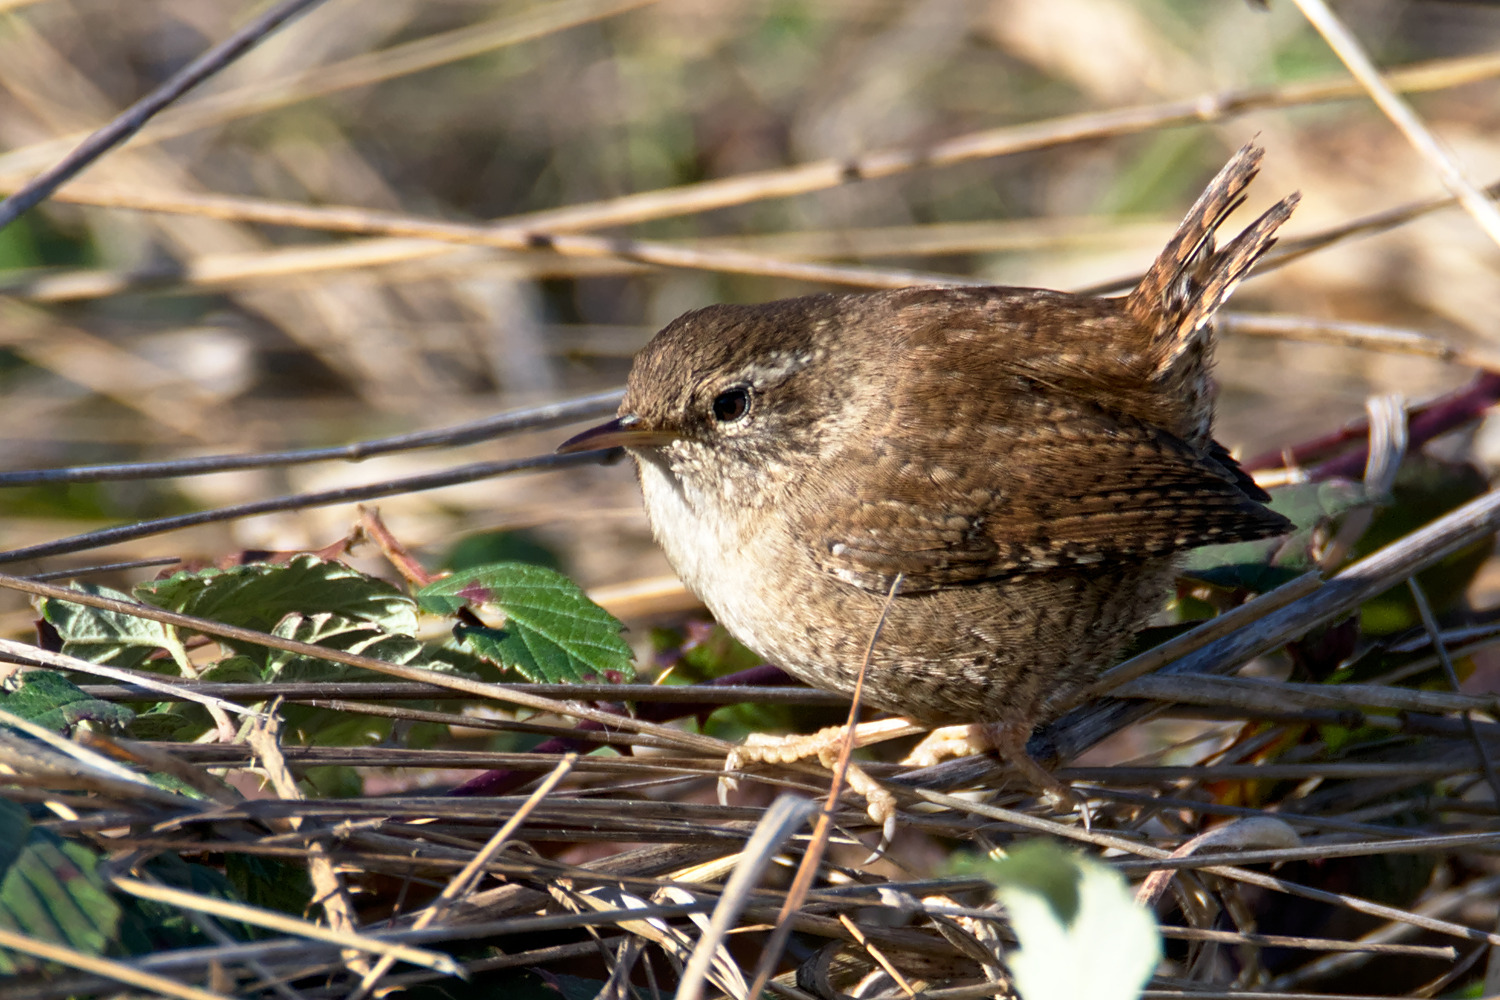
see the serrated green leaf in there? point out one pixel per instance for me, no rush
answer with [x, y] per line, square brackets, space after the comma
[259, 595]
[50, 890]
[147, 926]
[1080, 932]
[233, 670]
[50, 699]
[1267, 563]
[325, 726]
[101, 636]
[552, 631]
[335, 632]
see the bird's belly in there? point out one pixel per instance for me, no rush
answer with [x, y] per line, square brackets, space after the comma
[994, 651]
[1001, 651]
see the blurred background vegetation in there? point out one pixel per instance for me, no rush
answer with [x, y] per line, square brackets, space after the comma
[336, 239]
[130, 334]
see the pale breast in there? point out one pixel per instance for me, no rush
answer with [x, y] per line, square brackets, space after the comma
[715, 556]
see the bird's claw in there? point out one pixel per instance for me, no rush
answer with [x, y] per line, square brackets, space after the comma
[758, 748]
[1064, 800]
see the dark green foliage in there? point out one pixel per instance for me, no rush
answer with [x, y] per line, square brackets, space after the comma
[268, 882]
[1265, 564]
[100, 636]
[1426, 489]
[491, 547]
[703, 651]
[49, 699]
[50, 890]
[259, 595]
[147, 926]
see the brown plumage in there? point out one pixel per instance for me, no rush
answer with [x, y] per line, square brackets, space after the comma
[1030, 463]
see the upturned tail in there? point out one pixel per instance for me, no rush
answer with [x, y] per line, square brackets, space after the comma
[1191, 279]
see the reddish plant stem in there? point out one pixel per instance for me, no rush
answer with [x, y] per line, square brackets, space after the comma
[1432, 420]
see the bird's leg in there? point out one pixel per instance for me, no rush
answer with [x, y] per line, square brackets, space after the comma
[1008, 739]
[824, 745]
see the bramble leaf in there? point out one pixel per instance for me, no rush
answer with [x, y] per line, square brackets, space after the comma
[552, 631]
[50, 890]
[49, 699]
[258, 595]
[101, 636]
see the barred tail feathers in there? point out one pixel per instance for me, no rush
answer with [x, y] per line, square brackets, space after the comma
[1191, 279]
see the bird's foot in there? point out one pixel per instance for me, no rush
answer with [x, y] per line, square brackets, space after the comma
[1009, 741]
[825, 746]
[947, 742]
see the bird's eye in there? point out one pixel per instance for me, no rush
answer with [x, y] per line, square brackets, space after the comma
[732, 404]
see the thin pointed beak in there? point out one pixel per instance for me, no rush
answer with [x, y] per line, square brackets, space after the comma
[622, 432]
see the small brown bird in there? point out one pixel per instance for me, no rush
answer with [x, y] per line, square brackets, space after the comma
[1030, 463]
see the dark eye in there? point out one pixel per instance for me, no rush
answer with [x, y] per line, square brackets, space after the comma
[731, 404]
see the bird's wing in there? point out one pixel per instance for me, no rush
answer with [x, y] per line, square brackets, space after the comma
[1042, 482]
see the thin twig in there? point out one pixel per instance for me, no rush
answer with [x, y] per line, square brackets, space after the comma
[297, 501]
[487, 429]
[128, 123]
[1400, 112]
[1429, 623]
[807, 871]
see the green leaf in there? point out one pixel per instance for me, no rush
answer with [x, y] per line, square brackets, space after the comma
[101, 636]
[335, 632]
[259, 595]
[147, 926]
[1080, 932]
[327, 727]
[1426, 488]
[50, 699]
[50, 890]
[552, 631]
[269, 883]
[1269, 562]
[1035, 866]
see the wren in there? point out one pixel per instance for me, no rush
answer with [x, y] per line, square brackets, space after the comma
[1030, 463]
